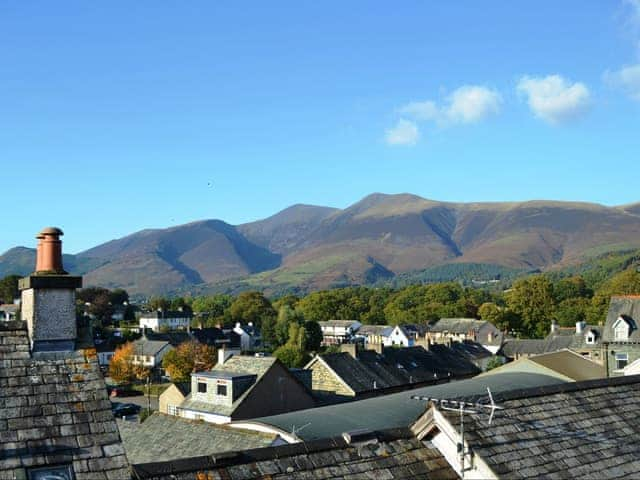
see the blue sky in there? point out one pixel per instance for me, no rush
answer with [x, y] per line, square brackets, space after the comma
[118, 116]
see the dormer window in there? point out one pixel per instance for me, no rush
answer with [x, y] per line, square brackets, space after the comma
[202, 387]
[222, 390]
[591, 338]
[621, 332]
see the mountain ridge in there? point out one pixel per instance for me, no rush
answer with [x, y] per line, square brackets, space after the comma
[378, 237]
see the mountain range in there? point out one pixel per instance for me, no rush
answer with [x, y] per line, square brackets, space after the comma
[308, 247]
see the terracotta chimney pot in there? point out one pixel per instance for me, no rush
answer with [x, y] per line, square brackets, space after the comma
[49, 252]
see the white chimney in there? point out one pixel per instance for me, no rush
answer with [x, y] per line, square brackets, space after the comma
[224, 354]
[580, 327]
[554, 326]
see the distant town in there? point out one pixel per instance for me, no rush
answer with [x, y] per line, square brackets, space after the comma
[360, 382]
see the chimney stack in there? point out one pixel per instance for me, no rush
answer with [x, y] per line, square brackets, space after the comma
[554, 326]
[48, 297]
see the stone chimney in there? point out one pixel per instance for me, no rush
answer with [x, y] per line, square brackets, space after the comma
[48, 297]
[350, 348]
[224, 354]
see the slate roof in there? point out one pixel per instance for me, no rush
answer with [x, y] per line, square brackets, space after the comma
[54, 409]
[565, 364]
[513, 347]
[338, 323]
[144, 346]
[216, 336]
[370, 455]
[166, 437]
[472, 351]
[382, 330]
[578, 340]
[576, 430]
[456, 325]
[166, 314]
[398, 366]
[629, 307]
[393, 410]
[257, 366]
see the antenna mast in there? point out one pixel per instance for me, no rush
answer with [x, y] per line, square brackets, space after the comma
[463, 408]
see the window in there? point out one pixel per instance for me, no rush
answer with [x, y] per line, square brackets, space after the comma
[622, 359]
[591, 338]
[172, 410]
[197, 416]
[222, 390]
[202, 387]
[60, 472]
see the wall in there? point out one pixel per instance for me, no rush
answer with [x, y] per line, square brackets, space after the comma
[50, 313]
[325, 382]
[171, 396]
[276, 392]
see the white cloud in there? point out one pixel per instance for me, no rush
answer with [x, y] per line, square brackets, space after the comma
[554, 99]
[404, 132]
[467, 104]
[627, 78]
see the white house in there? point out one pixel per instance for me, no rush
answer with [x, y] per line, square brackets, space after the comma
[165, 319]
[149, 353]
[335, 332]
[8, 311]
[250, 337]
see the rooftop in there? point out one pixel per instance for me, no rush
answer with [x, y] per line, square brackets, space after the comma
[54, 409]
[370, 455]
[394, 410]
[147, 442]
[587, 429]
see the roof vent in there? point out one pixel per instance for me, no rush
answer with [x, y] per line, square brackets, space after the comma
[361, 436]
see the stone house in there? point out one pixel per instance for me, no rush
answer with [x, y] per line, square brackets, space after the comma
[359, 373]
[621, 335]
[250, 337]
[460, 329]
[149, 353]
[242, 387]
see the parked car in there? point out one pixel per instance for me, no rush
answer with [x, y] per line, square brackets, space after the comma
[117, 391]
[125, 409]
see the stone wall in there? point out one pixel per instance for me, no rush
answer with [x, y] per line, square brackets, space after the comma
[325, 382]
[50, 313]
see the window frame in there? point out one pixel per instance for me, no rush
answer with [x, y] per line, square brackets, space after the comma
[201, 384]
[621, 357]
[224, 387]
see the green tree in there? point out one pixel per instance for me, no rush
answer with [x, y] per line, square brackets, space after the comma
[313, 336]
[293, 353]
[572, 310]
[118, 296]
[571, 287]
[9, 288]
[251, 307]
[159, 303]
[532, 300]
[212, 308]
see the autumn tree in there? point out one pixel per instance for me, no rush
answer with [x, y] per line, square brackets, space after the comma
[123, 368]
[188, 357]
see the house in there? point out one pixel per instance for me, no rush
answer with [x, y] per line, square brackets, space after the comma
[474, 352]
[172, 397]
[565, 364]
[241, 387]
[587, 429]
[106, 349]
[149, 353]
[513, 349]
[336, 332]
[586, 340]
[620, 333]
[358, 373]
[167, 437]
[373, 334]
[55, 415]
[165, 319]
[8, 311]
[250, 338]
[385, 335]
[460, 329]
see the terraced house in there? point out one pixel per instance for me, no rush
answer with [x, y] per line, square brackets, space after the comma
[621, 333]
